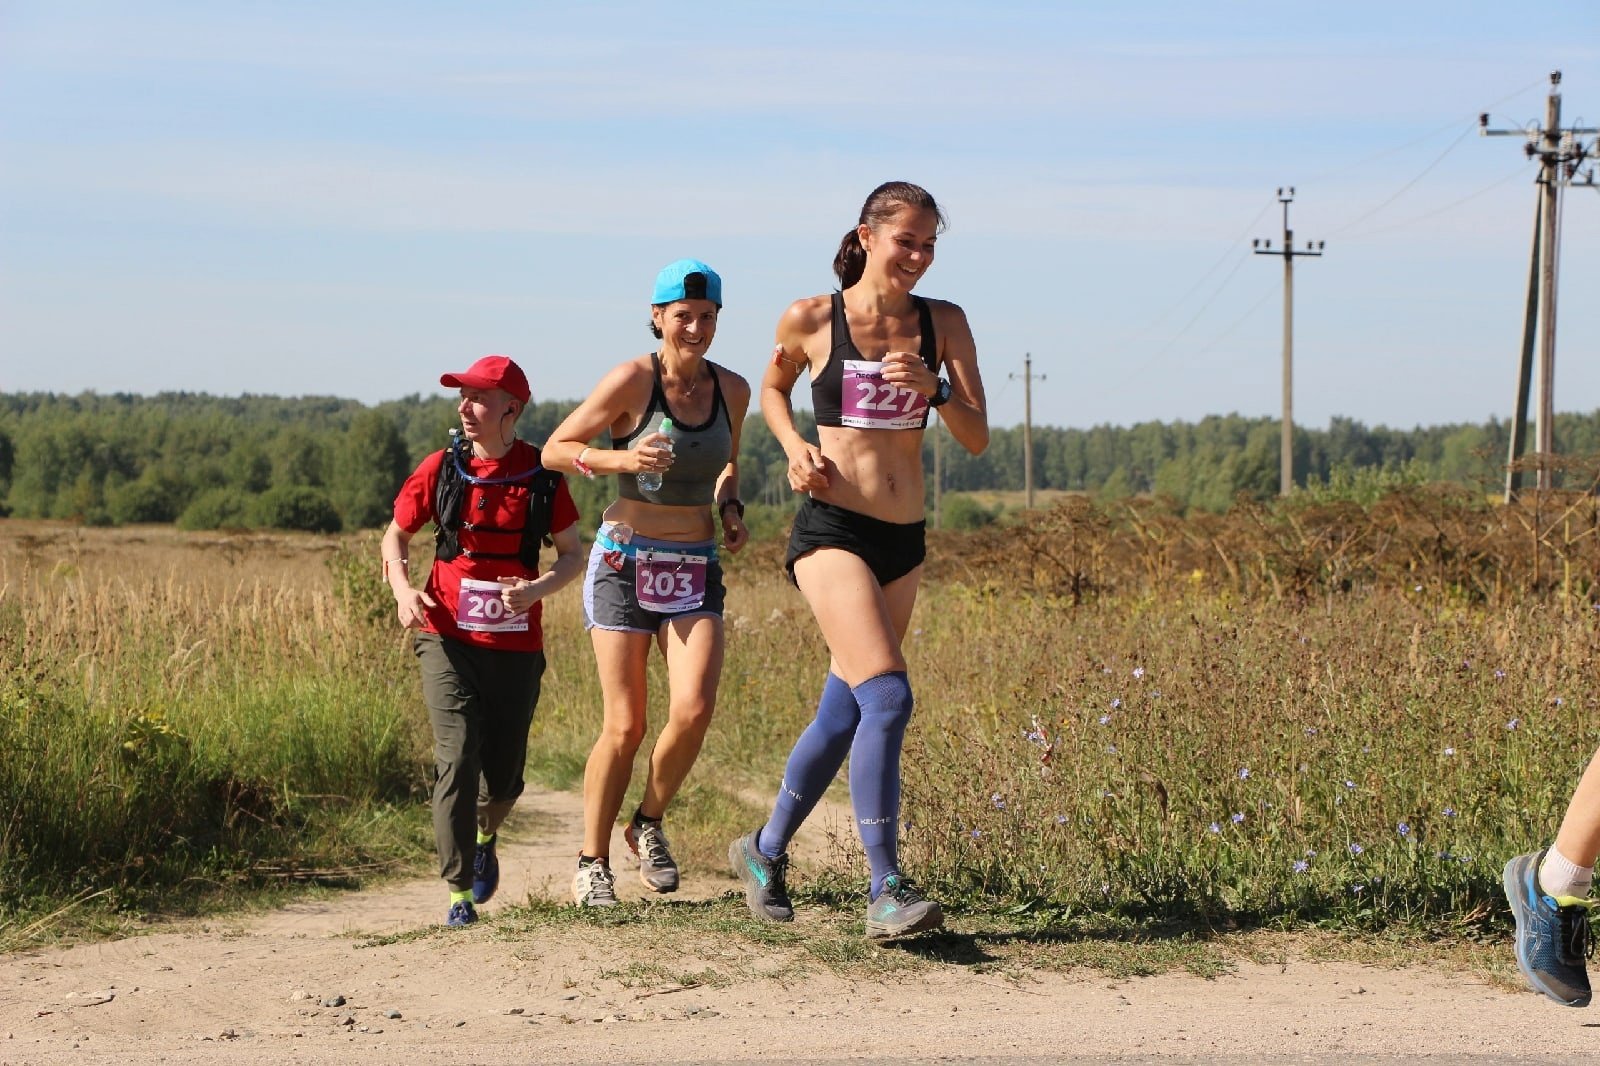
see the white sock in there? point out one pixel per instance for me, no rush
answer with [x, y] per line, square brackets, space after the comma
[1560, 876]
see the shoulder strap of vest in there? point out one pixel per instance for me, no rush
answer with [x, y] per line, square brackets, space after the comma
[448, 491]
[542, 488]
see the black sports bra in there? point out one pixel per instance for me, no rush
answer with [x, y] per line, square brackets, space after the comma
[867, 405]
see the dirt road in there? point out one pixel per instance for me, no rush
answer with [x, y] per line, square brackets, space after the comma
[311, 984]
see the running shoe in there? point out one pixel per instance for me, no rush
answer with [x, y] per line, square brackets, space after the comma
[1552, 934]
[765, 890]
[485, 871]
[900, 910]
[657, 869]
[461, 913]
[593, 886]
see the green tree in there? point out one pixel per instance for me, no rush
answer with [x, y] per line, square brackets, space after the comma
[367, 470]
[295, 507]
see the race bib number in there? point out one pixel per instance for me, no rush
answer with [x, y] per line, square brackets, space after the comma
[669, 582]
[481, 609]
[869, 402]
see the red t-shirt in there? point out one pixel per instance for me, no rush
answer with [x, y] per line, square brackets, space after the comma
[503, 506]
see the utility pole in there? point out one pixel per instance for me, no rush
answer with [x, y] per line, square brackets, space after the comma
[1560, 152]
[1027, 377]
[1288, 252]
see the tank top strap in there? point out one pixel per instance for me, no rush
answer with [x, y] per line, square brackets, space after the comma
[930, 343]
[717, 402]
[841, 330]
[658, 402]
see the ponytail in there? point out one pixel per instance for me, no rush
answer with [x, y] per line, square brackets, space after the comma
[881, 205]
[851, 260]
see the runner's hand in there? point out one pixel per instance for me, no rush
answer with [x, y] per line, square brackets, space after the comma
[734, 533]
[907, 371]
[654, 453]
[409, 606]
[519, 594]
[808, 468]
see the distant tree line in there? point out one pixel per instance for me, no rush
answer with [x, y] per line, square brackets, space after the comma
[321, 463]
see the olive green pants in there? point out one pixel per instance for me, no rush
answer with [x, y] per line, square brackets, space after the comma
[480, 704]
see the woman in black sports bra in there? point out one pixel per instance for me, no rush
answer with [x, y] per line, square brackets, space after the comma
[653, 576]
[879, 358]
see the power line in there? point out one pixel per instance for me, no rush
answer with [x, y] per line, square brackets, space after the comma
[1386, 152]
[1232, 248]
[1440, 210]
[1407, 186]
[1225, 334]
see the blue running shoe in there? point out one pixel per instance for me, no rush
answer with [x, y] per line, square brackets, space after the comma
[1552, 934]
[461, 913]
[766, 891]
[901, 910]
[485, 871]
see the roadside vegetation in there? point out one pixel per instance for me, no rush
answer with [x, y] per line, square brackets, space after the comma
[1322, 713]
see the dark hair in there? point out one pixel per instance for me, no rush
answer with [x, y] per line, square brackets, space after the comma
[880, 207]
[655, 330]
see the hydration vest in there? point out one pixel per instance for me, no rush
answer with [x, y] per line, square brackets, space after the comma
[450, 491]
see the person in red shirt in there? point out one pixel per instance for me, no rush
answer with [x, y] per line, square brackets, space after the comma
[479, 641]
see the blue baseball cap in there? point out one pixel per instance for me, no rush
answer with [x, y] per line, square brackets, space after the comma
[687, 279]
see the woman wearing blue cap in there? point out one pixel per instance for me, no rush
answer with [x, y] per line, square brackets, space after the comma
[653, 577]
[876, 353]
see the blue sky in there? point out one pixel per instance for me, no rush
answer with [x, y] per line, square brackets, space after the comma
[352, 198]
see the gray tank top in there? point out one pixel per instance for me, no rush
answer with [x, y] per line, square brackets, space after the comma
[700, 453]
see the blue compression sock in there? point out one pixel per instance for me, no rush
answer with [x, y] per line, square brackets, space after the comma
[812, 766]
[885, 703]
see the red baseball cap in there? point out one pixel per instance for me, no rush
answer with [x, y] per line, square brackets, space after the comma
[491, 372]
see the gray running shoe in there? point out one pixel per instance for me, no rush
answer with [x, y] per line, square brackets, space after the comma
[765, 890]
[900, 910]
[594, 886]
[1552, 933]
[657, 869]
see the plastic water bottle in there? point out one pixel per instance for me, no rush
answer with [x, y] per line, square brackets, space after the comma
[650, 480]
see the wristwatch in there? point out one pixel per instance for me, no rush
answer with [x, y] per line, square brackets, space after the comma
[734, 502]
[941, 394]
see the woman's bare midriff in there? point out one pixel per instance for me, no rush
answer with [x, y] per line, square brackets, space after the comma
[658, 521]
[875, 472]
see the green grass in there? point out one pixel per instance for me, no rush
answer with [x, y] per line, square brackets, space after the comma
[1129, 781]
